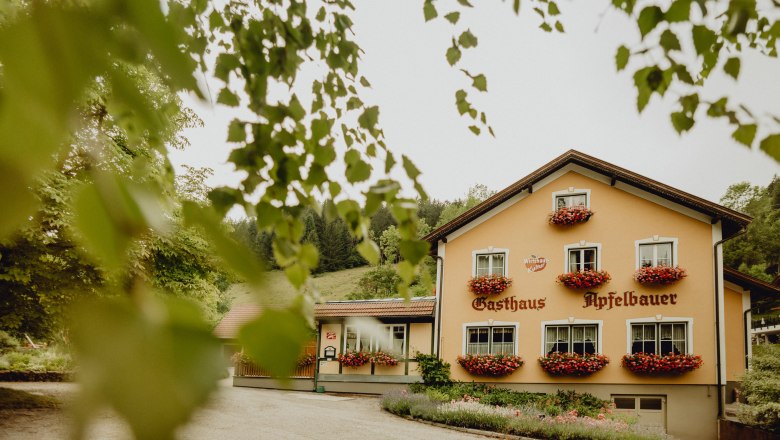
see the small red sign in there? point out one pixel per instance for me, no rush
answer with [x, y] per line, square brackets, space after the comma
[330, 335]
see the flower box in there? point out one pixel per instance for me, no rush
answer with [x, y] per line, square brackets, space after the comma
[659, 275]
[494, 365]
[570, 216]
[353, 359]
[382, 358]
[306, 360]
[660, 365]
[572, 364]
[585, 279]
[489, 284]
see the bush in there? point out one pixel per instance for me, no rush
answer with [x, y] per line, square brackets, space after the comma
[379, 282]
[761, 388]
[7, 342]
[435, 372]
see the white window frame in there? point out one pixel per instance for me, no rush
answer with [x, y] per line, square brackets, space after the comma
[489, 250]
[581, 245]
[659, 319]
[385, 330]
[571, 191]
[489, 323]
[656, 239]
[572, 321]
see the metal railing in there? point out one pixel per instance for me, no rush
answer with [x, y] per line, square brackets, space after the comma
[765, 322]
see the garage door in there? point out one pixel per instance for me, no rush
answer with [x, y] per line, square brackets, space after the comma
[650, 410]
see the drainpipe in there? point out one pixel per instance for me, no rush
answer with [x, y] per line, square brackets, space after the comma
[439, 297]
[717, 319]
[747, 338]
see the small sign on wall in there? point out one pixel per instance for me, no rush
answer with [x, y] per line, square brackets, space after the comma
[330, 335]
[330, 352]
[535, 264]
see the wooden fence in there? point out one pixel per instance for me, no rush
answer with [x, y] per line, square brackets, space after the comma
[249, 369]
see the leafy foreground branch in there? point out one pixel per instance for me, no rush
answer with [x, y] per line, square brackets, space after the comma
[524, 419]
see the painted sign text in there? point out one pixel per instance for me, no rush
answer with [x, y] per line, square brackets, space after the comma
[511, 304]
[628, 299]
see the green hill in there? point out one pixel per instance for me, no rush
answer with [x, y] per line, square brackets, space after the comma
[277, 290]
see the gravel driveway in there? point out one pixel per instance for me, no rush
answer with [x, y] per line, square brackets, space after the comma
[239, 413]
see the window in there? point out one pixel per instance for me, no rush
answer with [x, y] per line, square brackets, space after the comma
[490, 264]
[580, 339]
[655, 254]
[581, 259]
[490, 340]
[388, 338]
[660, 338]
[571, 200]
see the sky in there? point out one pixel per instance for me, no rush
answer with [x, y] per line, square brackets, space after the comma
[547, 93]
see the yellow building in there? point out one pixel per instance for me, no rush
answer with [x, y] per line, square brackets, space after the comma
[630, 223]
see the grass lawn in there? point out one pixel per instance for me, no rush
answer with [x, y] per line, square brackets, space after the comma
[331, 286]
[16, 399]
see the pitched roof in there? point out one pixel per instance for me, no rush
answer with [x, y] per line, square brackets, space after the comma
[732, 220]
[384, 308]
[238, 315]
[395, 307]
[756, 286]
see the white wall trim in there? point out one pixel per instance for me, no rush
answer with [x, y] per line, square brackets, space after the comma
[581, 244]
[574, 321]
[660, 319]
[489, 250]
[571, 191]
[656, 239]
[489, 323]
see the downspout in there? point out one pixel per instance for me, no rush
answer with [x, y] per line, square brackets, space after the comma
[747, 338]
[717, 318]
[439, 296]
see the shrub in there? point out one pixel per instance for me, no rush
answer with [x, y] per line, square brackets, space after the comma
[7, 342]
[585, 279]
[761, 388]
[489, 284]
[572, 364]
[379, 282]
[40, 360]
[494, 365]
[435, 371]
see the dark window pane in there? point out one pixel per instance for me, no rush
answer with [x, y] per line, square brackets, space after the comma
[578, 347]
[650, 403]
[625, 403]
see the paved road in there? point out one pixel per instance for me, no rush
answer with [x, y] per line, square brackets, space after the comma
[240, 413]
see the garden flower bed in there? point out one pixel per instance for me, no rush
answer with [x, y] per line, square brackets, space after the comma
[570, 216]
[490, 364]
[532, 420]
[585, 279]
[659, 365]
[489, 284]
[572, 364]
[660, 275]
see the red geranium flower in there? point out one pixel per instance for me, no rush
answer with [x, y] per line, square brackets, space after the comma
[570, 216]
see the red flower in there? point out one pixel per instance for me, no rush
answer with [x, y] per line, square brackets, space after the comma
[570, 216]
[353, 359]
[572, 364]
[659, 365]
[489, 284]
[494, 365]
[585, 279]
[382, 358]
[659, 275]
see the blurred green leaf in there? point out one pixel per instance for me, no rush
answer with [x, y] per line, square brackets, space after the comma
[649, 19]
[414, 250]
[453, 54]
[621, 57]
[467, 40]
[669, 41]
[480, 82]
[703, 39]
[732, 67]
[771, 146]
[745, 134]
[679, 11]
[276, 339]
[153, 362]
[227, 97]
[681, 122]
[429, 11]
[369, 250]
[453, 17]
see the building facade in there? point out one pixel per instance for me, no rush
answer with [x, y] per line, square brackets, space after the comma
[635, 223]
